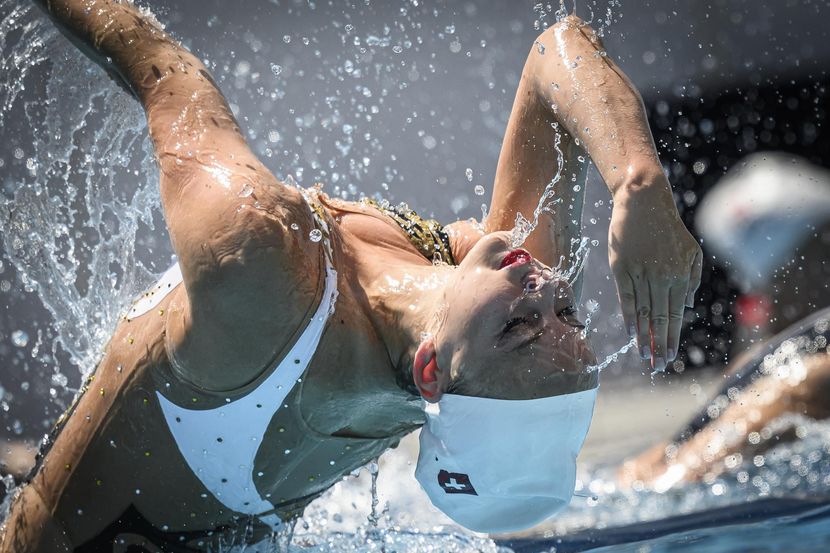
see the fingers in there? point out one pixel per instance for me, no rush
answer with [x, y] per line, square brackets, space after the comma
[676, 308]
[643, 299]
[659, 294]
[695, 275]
[628, 303]
[653, 309]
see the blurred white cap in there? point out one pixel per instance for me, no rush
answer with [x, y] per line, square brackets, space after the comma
[761, 210]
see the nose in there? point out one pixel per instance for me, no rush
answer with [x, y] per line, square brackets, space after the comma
[588, 356]
[574, 354]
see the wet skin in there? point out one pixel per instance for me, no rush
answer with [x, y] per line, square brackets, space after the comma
[509, 332]
[252, 277]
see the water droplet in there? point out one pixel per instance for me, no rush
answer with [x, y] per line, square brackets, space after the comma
[479, 190]
[429, 142]
[246, 191]
[315, 235]
[276, 69]
[540, 48]
[469, 173]
[595, 243]
[295, 226]
[20, 338]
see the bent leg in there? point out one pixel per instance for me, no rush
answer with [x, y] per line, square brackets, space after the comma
[30, 527]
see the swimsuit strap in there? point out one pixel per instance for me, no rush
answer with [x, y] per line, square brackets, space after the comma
[427, 235]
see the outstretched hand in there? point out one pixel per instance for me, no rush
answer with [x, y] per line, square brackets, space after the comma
[657, 265]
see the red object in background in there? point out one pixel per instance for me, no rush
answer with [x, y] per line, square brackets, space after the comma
[753, 310]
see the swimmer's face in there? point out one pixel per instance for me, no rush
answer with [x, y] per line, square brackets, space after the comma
[510, 329]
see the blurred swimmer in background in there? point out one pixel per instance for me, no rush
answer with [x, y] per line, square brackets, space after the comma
[298, 336]
[768, 221]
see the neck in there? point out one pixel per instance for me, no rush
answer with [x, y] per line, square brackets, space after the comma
[406, 301]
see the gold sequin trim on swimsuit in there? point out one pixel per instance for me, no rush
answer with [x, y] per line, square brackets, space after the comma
[427, 235]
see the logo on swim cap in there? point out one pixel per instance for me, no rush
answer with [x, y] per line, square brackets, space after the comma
[455, 482]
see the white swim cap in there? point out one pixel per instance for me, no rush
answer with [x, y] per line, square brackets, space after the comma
[495, 465]
[761, 210]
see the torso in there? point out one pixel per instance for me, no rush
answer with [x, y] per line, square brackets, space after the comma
[115, 451]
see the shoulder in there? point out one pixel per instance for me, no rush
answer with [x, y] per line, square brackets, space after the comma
[463, 236]
[244, 308]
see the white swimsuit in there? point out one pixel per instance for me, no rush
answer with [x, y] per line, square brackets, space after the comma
[220, 444]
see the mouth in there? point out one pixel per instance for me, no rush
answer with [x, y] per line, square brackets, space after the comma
[516, 257]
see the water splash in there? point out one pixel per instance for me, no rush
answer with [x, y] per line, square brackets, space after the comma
[613, 357]
[545, 12]
[374, 517]
[522, 226]
[78, 236]
[547, 16]
[69, 230]
[30, 36]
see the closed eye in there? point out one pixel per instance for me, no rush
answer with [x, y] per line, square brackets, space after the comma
[513, 323]
[519, 329]
[568, 315]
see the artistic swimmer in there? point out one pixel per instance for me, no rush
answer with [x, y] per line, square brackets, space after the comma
[299, 335]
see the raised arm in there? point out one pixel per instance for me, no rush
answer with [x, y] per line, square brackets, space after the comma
[229, 218]
[571, 87]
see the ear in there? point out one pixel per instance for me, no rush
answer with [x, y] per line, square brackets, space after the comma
[428, 377]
